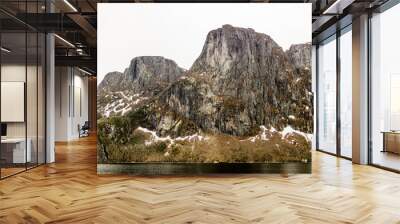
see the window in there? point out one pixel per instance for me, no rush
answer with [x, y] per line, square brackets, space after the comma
[346, 92]
[327, 95]
[385, 89]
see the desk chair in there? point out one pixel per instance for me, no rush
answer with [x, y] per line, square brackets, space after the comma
[84, 130]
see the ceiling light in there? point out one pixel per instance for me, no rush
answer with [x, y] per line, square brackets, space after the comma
[79, 51]
[338, 6]
[333, 6]
[64, 40]
[86, 72]
[5, 50]
[70, 5]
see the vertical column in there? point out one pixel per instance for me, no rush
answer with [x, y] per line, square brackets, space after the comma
[50, 98]
[314, 90]
[92, 102]
[360, 89]
[50, 92]
[338, 91]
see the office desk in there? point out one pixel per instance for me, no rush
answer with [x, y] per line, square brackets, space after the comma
[13, 150]
[391, 141]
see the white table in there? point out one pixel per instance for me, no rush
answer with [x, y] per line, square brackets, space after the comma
[19, 154]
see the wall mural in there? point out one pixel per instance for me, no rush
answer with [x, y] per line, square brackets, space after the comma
[243, 106]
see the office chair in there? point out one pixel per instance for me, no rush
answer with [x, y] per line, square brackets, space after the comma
[84, 130]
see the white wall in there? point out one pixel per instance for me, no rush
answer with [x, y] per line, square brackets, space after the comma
[33, 126]
[79, 115]
[70, 83]
[62, 81]
[16, 73]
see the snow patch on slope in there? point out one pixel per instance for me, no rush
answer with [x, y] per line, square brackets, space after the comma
[266, 133]
[155, 138]
[289, 130]
[123, 104]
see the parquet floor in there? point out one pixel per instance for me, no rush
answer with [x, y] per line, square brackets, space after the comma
[10, 171]
[69, 191]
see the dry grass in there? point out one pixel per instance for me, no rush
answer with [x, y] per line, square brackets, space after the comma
[216, 148]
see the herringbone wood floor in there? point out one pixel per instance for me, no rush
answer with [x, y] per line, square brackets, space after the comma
[69, 191]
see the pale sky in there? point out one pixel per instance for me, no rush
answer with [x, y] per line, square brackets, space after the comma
[178, 31]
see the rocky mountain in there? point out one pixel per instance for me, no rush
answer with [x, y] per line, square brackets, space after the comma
[300, 55]
[112, 82]
[241, 80]
[145, 77]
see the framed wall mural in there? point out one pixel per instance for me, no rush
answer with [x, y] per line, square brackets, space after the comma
[204, 88]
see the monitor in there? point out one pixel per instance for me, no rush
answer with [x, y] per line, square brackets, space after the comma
[3, 129]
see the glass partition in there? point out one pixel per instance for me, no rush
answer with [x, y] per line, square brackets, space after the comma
[22, 77]
[31, 98]
[327, 95]
[14, 153]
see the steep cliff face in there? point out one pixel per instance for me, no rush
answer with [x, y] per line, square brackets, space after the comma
[300, 55]
[145, 77]
[150, 74]
[241, 80]
[234, 52]
[111, 82]
[145, 74]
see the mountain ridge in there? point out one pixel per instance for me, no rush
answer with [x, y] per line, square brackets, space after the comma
[242, 79]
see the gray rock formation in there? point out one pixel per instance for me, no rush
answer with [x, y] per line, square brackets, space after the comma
[145, 74]
[111, 82]
[145, 77]
[241, 80]
[150, 74]
[300, 55]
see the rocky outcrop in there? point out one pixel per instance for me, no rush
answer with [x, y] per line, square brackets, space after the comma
[236, 50]
[241, 80]
[112, 82]
[145, 77]
[145, 74]
[300, 55]
[150, 74]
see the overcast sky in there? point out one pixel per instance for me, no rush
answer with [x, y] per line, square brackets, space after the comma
[178, 31]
